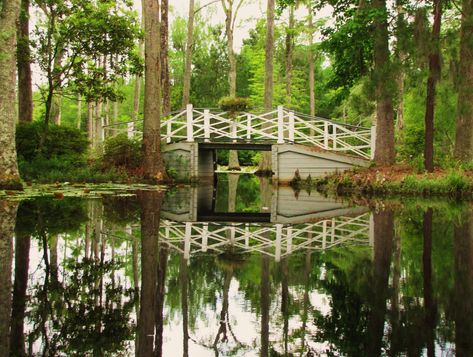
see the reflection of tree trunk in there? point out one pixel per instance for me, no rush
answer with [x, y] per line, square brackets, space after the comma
[233, 163]
[395, 297]
[22, 253]
[285, 302]
[265, 302]
[184, 281]
[265, 193]
[150, 211]
[161, 290]
[383, 239]
[430, 305]
[463, 302]
[307, 270]
[232, 191]
[7, 225]
[224, 312]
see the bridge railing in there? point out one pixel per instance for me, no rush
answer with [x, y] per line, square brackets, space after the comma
[281, 126]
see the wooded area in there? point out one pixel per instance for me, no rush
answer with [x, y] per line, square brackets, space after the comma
[404, 67]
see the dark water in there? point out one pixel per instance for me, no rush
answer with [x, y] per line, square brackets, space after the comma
[235, 269]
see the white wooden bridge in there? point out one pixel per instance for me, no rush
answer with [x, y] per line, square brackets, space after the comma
[318, 145]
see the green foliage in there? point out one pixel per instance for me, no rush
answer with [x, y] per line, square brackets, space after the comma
[120, 151]
[245, 157]
[234, 104]
[35, 140]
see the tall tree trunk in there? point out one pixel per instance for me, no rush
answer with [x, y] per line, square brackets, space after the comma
[90, 124]
[188, 61]
[285, 302]
[137, 93]
[464, 135]
[311, 64]
[401, 58]
[265, 164]
[289, 54]
[25, 90]
[55, 101]
[8, 211]
[98, 124]
[22, 258]
[152, 106]
[384, 153]
[9, 12]
[79, 112]
[150, 202]
[164, 56]
[429, 302]
[434, 74]
[383, 241]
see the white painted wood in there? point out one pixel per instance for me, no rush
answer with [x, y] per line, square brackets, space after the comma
[187, 240]
[373, 142]
[206, 125]
[326, 134]
[248, 126]
[205, 236]
[280, 124]
[189, 123]
[291, 127]
[289, 239]
[334, 136]
[130, 129]
[277, 254]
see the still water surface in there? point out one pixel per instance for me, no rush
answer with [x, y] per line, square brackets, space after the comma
[237, 268]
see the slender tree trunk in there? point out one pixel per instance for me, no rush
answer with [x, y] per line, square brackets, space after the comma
[464, 136]
[311, 64]
[463, 288]
[164, 57]
[9, 12]
[90, 124]
[153, 167]
[137, 93]
[289, 55]
[395, 312]
[22, 258]
[265, 164]
[150, 202]
[401, 58]
[434, 75]
[384, 153]
[98, 124]
[25, 90]
[56, 98]
[232, 191]
[79, 111]
[285, 302]
[188, 61]
[8, 211]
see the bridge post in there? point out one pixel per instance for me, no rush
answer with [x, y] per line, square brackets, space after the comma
[280, 125]
[277, 254]
[334, 136]
[289, 239]
[130, 126]
[190, 119]
[373, 141]
[233, 128]
[205, 237]
[206, 125]
[168, 131]
[326, 134]
[291, 126]
[187, 241]
[248, 126]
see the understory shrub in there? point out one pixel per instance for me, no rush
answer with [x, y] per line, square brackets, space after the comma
[120, 151]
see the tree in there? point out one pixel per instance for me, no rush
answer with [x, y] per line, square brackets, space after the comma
[384, 153]
[164, 57]
[77, 42]
[434, 74]
[265, 164]
[153, 166]
[9, 12]
[25, 90]
[464, 126]
[188, 56]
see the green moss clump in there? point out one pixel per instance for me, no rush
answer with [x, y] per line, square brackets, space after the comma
[234, 104]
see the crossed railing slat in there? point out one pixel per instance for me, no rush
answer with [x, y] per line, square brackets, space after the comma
[279, 126]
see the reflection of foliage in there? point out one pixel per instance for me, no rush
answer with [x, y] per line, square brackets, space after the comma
[90, 323]
[54, 216]
[248, 194]
[89, 313]
[121, 210]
